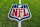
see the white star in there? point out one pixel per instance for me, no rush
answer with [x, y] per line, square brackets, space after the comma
[19, 6]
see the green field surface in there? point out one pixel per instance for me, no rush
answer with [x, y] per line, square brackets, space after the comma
[34, 6]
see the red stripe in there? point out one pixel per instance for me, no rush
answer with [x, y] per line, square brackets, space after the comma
[13, 12]
[19, 13]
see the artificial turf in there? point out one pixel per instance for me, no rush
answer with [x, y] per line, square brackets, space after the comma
[34, 6]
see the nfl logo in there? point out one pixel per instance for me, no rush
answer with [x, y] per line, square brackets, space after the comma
[19, 12]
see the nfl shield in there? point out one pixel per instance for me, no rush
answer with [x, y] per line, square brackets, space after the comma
[19, 12]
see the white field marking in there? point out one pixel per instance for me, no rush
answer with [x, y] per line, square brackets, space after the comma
[19, 24]
[19, 1]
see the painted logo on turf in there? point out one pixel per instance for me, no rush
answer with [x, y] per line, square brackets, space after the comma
[19, 12]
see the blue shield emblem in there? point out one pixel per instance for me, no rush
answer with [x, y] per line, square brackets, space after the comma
[19, 12]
